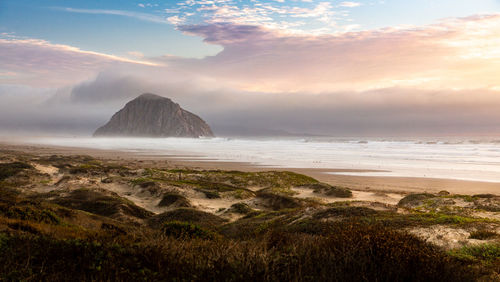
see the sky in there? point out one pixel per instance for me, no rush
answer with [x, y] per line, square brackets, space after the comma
[373, 67]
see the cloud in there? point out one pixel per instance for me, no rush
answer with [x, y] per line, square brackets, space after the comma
[350, 4]
[455, 53]
[136, 54]
[137, 15]
[176, 20]
[282, 15]
[286, 16]
[25, 110]
[433, 79]
[226, 34]
[39, 62]
[452, 54]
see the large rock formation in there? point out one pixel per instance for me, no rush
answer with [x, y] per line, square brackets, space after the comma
[151, 115]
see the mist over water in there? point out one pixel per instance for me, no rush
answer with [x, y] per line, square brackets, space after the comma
[449, 158]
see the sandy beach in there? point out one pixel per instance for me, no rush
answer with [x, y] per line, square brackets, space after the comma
[401, 185]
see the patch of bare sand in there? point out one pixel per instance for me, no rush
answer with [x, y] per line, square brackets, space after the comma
[48, 169]
[54, 174]
[137, 195]
[445, 236]
[369, 196]
[219, 206]
[149, 201]
[213, 205]
[487, 214]
[405, 184]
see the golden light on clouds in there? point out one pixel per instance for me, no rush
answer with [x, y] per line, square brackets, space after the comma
[452, 54]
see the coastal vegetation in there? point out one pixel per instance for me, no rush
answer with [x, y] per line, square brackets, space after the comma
[96, 219]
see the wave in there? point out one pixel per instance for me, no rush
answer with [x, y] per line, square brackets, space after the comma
[420, 157]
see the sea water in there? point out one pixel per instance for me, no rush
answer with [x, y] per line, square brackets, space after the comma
[449, 158]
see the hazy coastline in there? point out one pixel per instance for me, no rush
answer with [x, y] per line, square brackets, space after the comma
[444, 158]
[353, 176]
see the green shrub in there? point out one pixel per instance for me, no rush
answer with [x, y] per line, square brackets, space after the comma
[215, 186]
[415, 199]
[239, 179]
[350, 252]
[186, 230]
[329, 190]
[241, 208]
[483, 234]
[189, 215]
[172, 199]
[142, 181]
[345, 212]
[278, 201]
[484, 252]
[24, 226]
[339, 192]
[27, 212]
[85, 168]
[3, 240]
[485, 196]
[8, 194]
[209, 194]
[242, 194]
[101, 203]
[11, 169]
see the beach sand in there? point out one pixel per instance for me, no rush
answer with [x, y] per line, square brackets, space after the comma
[402, 185]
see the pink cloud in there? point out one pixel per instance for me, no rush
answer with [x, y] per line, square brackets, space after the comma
[452, 54]
[41, 63]
[455, 53]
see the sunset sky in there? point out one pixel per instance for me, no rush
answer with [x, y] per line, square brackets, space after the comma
[375, 67]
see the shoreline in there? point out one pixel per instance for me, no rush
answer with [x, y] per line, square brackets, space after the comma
[385, 184]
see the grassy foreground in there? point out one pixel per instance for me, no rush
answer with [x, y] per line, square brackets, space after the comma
[83, 232]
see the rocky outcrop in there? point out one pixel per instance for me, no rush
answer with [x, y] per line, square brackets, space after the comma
[151, 115]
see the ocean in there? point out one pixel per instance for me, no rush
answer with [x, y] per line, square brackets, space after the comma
[450, 158]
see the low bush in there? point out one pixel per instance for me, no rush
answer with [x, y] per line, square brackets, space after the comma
[143, 181]
[101, 203]
[185, 230]
[350, 252]
[28, 212]
[189, 215]
[414, 199]
[345, 212]
[86, 168]
[209, 194]
[279, 201]
[329, 190]
[175, 200]
[11, 169]
[241, 208]
[483, 234]
[485, 252]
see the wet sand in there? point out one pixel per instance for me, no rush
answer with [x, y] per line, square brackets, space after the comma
[361, 183]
